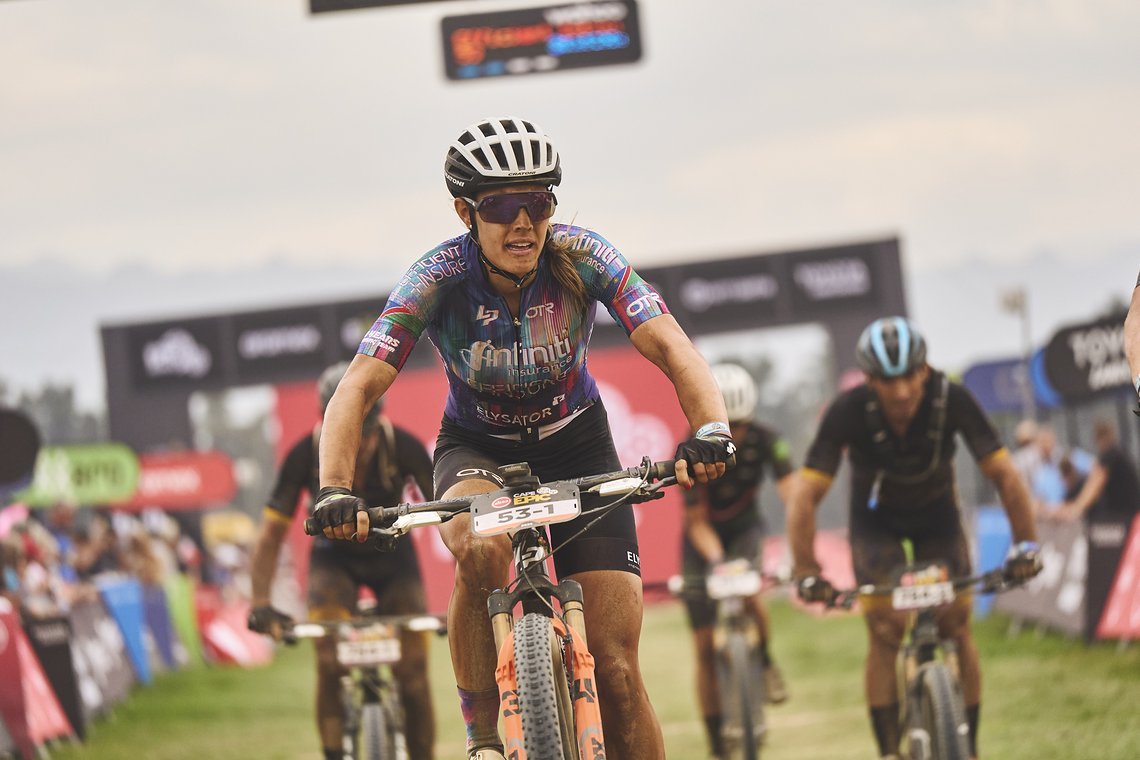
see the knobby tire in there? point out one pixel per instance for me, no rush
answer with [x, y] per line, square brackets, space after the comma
[742, 690]
[539, 682]
[942, 713]
[376, 739]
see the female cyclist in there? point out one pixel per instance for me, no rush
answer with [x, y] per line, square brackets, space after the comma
[509, 305]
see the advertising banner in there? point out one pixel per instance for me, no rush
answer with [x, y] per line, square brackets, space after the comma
[1107, 538]
[541, 40]
[1056, 597]
[226, 638]
[172, 354]
[1002, 386]
[123, 599]
[183, 480]
[100, 658]
[1121, 618]
[101, 473]
[180, 603]
[1086, 359]
[51, 641]
[28, 705]
[159, 625]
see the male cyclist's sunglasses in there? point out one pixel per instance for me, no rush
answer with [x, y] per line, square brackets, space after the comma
[504, 209]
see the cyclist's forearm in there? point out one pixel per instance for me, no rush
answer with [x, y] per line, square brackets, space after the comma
[263, 563]
[705, 540]
[1015, 498]
[366, 381]
[801, 508]
[661, 341]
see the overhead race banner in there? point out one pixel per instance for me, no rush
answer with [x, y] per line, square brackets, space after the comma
[541, 40]
[326, 6]
[102, 473]
[1086, 359]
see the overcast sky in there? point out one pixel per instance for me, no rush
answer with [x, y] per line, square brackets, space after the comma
[218, 135]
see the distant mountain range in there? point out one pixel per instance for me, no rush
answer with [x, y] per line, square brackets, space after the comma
[50, 312]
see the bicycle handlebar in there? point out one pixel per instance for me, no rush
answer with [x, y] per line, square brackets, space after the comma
[381, 518]
[993, 581]
[293, 632]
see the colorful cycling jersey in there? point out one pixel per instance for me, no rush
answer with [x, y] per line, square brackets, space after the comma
[901, 479]
[732, 499]
[506, 373]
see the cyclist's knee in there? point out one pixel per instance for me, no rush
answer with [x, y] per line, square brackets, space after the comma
[885, 628]
[619, 681]
[477, 557]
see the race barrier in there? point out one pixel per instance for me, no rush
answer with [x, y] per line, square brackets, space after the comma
[226, 639]
[51, 641]
[99, 655]
[29, 707]
[123, 598]
[1121, 619]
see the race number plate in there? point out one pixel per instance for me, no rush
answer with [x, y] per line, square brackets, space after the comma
[374, 645]
[733, 580]
[922, 595]
[524, 508]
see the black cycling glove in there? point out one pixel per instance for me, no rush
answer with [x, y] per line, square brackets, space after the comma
[336, 506]
[815, 588]
[1022, 562]
[264, 619]
[706, 449]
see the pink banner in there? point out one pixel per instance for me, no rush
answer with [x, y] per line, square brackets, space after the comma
[183, 480]
[29, 707]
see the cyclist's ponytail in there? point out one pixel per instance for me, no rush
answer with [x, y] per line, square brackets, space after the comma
[564, 254]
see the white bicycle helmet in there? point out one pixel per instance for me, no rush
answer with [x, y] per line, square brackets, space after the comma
[738, 390]
[497, 152]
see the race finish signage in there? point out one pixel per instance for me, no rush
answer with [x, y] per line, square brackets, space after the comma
[1086, 359]
[95, 474]
[324, 6]
[539, 40]
[183, 480]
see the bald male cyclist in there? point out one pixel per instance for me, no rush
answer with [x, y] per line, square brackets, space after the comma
[899, 429]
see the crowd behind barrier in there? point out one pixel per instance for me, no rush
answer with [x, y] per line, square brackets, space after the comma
[94, 604]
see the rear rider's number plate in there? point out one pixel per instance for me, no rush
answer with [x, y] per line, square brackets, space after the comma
[374, 645]
[492, 514]
[922, 595]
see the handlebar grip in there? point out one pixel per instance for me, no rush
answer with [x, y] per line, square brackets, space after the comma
[311, 528]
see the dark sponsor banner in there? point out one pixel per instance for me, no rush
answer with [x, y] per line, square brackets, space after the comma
[271, 341]
[832, 280]
[1107, 538]
[1086, 359]
[1056, 597]
[541, 40]
[51, 641]
[327, 6]
[19, 443]
[353, 319]
[100, 658]
[183, 480]
[173, 354]
[726, 294]
[1121, 617]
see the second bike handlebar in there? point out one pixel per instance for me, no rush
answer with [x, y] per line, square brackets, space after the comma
[647, 472]
[989, 582]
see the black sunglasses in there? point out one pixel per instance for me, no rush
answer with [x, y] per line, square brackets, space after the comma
[504, 209]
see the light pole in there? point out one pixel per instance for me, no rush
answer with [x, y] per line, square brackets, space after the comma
[1016, 301]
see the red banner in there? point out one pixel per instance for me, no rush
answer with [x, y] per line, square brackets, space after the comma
[183, 480]
[1121, 617]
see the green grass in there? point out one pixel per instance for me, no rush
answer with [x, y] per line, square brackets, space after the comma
[1044, 698]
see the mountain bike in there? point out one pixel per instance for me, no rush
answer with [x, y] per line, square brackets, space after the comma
[739, 667]
[549, 700]
[933, 716]
[367, 647]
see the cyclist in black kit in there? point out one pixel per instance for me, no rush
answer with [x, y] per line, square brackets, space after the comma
[389, 456]
[1132, 340]
[723, 522]
[898, 429]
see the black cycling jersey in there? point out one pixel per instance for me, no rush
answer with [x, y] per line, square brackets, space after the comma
[905, 483]
[731, 500]
[399, 455]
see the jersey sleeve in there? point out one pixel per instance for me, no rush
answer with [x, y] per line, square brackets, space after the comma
[292, 478]
[980, 436]
[835, 432]
[610, 280]
[779, 453]
[414, 461]
[411, 305]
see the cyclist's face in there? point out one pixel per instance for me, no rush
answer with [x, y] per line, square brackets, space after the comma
[900, 396]
[514, 246]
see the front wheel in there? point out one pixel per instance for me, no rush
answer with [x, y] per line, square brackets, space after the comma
[377, 741]
[741, 687]
[544, 695]
[943, 733]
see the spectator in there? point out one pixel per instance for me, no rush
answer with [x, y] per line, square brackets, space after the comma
[1112, 489]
